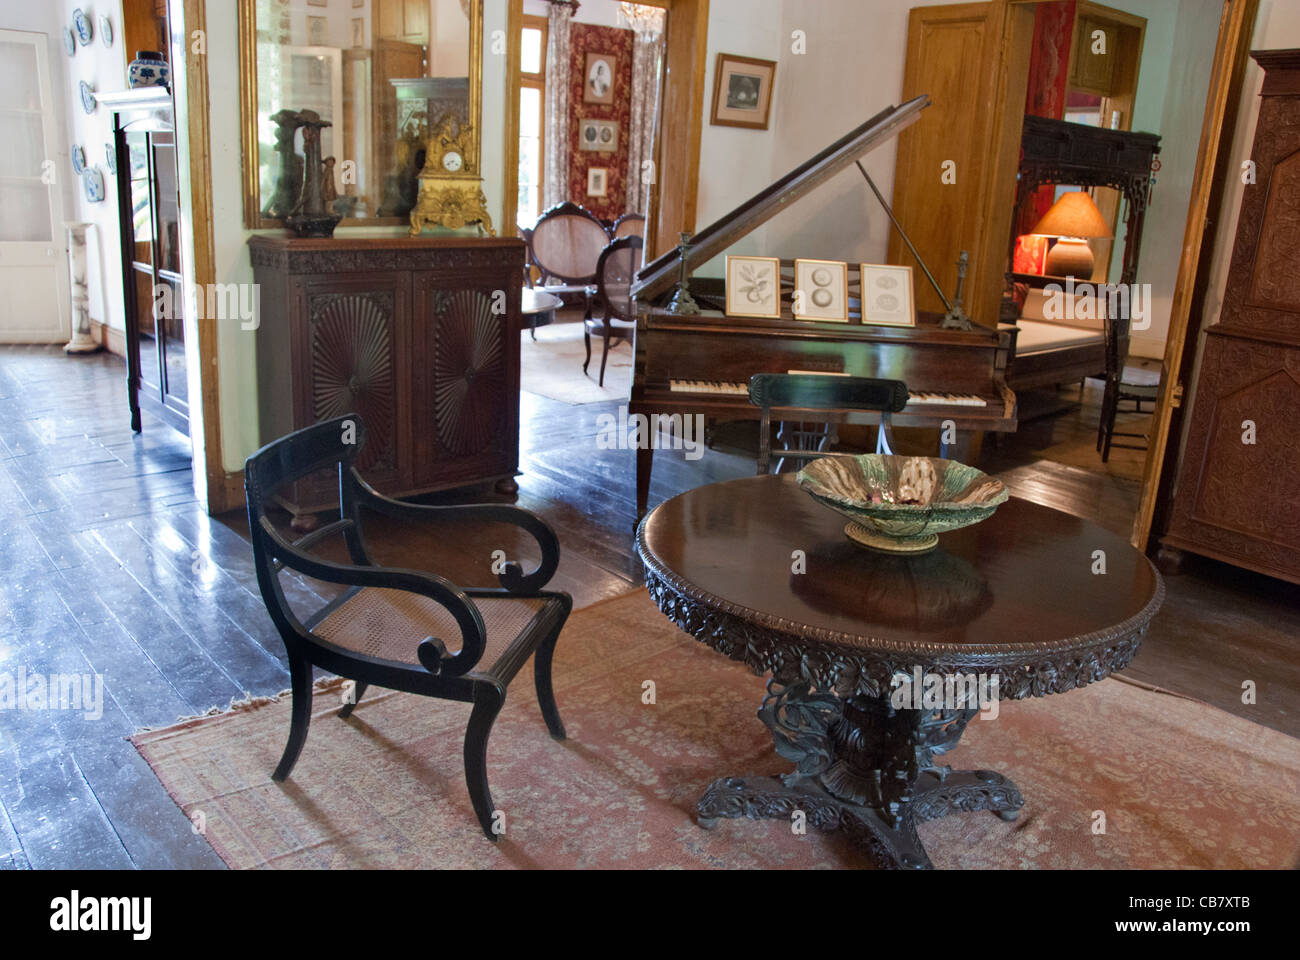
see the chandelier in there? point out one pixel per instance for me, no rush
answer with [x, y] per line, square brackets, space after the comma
[642, 17]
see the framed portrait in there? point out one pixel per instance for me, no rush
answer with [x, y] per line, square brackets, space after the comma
[600, 136]
[754, 287]
[317, 31]
[742, 92]
[358, 32]
[821, 290]
[598, 81]
[887, 296]
[598, 181]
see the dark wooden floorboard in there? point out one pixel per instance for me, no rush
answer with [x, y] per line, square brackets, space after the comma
[108, 565]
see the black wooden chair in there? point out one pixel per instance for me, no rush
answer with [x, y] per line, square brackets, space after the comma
[402, 629]
[1124, 382]
[612, 297]
[798, 391]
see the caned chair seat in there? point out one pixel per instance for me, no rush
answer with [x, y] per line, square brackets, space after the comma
[389, 624]
[401, 629]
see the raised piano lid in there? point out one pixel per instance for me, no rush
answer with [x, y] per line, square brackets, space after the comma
[661, 276]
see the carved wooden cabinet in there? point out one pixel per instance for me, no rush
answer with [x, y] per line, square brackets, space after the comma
[1237, 496]
[421, 337]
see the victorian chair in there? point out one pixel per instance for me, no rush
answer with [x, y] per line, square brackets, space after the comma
[628, 225]
[1124, 381]
[564, 250]
[802, 391]
[612, 297]
[402, 629]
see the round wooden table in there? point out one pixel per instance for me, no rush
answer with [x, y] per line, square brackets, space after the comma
[1042, 601]
[538, 308]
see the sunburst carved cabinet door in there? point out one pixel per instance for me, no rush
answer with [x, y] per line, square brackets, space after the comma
[356, 331]
[1235, 498]
[467, 344]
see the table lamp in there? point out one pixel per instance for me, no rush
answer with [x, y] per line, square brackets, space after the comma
[1072, 219]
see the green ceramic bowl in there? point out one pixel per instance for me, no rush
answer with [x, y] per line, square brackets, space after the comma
[902, 504]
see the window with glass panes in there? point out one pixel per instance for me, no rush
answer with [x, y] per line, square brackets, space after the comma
[532, 119]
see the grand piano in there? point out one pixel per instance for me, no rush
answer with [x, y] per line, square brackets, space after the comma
[701, 362]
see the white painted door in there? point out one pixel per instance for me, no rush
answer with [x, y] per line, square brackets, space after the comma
[32, 260]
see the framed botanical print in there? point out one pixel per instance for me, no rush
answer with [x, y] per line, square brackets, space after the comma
[754, 287]
[742, 92]
[887, 296]
[598, 82]
[597, 181]
[821, 290]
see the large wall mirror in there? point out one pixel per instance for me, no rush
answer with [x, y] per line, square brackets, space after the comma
[387, 74]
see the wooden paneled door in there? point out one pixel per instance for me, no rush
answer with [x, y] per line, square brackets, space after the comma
[956, 187]
[33, 265]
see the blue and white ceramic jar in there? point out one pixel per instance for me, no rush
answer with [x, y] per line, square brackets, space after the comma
[149, 69]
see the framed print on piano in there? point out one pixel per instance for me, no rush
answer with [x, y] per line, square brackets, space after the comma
[754, 287]
[821, 290]
[887, 296]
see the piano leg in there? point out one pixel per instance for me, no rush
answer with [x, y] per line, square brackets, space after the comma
[645, 459]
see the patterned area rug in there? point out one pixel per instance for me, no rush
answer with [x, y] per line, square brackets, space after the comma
[1180, 783]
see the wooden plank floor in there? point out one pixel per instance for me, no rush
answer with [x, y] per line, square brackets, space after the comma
[108, 565]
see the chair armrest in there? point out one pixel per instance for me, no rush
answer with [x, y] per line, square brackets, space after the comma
[432, 651]
[512, 576]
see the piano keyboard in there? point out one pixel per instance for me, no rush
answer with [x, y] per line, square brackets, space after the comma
[717, 388]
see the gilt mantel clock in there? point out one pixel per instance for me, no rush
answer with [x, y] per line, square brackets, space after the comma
[451, 187]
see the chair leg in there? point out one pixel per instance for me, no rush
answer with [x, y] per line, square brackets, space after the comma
[488, 699]
[300, 678]
[604, 357]
[542, 679]
[358, 691]
[586, 339]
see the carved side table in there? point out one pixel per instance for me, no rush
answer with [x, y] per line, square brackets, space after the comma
[760, 572]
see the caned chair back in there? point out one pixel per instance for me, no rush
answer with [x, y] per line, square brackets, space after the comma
[566, 245]
[615, 273]
[629, 225]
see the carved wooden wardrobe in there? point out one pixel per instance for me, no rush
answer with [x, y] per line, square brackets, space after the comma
[1237, 496]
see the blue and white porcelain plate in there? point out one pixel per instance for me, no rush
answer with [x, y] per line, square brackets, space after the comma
[106, 30]
[78, 159]
[93, 181]
[85, 29]
[110, 158]
[69, 41]
[87, 97]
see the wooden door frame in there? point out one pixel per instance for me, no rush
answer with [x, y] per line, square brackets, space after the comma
[1231, 55]
[218, 489]
[676, 188]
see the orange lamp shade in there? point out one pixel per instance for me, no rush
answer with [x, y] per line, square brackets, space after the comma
[1074, 215]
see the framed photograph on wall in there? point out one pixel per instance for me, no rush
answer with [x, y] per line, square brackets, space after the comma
[598, 181]
[598, 81]
[317, 31]
[754, 287]
[887, 296]
[742, 92]
[600, 136]
[821, 290]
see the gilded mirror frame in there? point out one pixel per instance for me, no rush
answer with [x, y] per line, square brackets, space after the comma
[249, 145]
